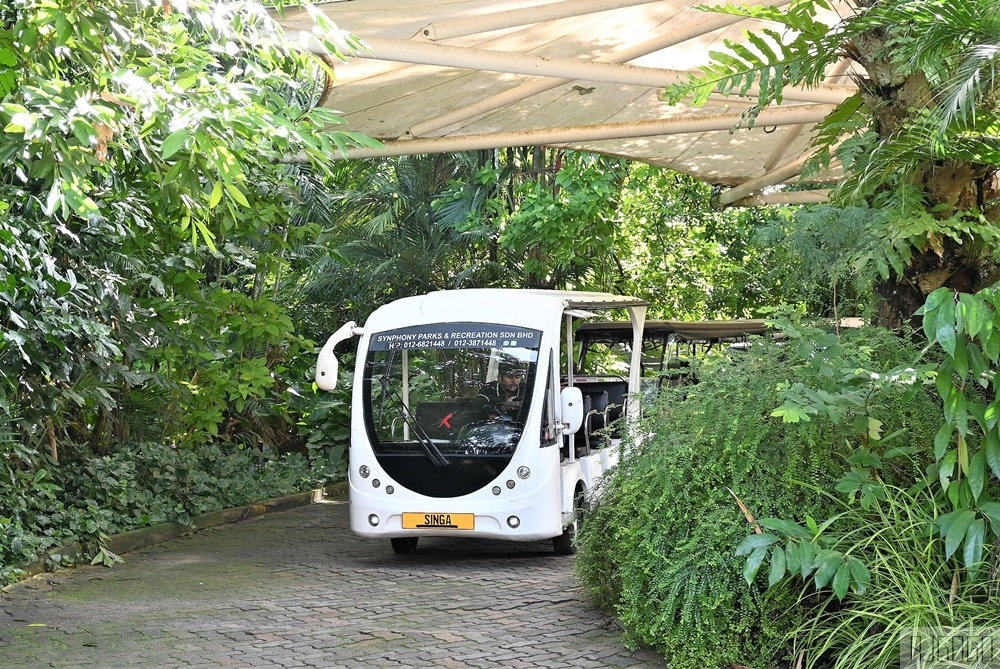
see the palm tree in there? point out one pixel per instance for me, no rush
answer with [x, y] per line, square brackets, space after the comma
[402, 226]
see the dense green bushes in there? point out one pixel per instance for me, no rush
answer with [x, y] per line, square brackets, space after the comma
[658, 551]
[134, 487]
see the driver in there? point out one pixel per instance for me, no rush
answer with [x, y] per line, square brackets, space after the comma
[507, 387]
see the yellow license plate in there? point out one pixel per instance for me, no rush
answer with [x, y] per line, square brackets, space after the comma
[439, 521]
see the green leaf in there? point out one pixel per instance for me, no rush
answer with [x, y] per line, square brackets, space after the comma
[992, 448]
[792, 558]
[206, 234]
[977, 361]
[174, 142]
[942, 439]
[828, 564]
[945, 521]
[777, 571]
[786, 527]
[957, 531]
[790, 413]
[945, 336]
[991, 347]
[807, 555]
[237, 194]
[974, 314]
[860, 577]
[961, 358]
[84, 131]
[753, 563]
[932, 306]
[755, 541]
[973, 554]
[216, 195]
[947, 468]
[874, 429]
[977, 473]
[842, 580]
[991, 510]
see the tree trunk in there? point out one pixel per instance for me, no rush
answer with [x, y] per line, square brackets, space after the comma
[959, 267]
[895, 304]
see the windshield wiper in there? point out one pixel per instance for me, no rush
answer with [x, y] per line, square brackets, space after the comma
[385, 386]
[426, 443]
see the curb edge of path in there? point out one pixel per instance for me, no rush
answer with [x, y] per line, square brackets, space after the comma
[141, 537]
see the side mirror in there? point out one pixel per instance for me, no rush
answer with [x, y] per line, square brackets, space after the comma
[572, 408]
[326, 361]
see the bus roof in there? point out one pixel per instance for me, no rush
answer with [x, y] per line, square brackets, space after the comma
[620, 332]
[572, 299]
[502, 305]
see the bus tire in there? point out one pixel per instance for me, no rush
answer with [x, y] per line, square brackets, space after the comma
[564, 543]
[404, 545]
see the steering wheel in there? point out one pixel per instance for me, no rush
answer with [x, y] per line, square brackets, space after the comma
[502, 409]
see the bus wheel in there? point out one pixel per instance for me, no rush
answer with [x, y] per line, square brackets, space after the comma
[404, 545]
[563, 544]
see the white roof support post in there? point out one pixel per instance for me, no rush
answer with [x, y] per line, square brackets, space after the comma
[564, 68]
[785, 197]
[677, 125]
[772, 178]
[637, 315]
[571, 439]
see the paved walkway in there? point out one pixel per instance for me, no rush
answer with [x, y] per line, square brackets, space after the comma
[297, 589]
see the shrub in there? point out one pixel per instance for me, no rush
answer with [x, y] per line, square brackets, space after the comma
[658, 550]
[139, 485]
[911, 561]
[907, 584]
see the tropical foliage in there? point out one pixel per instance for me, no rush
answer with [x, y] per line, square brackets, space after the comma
[657, 550]
[919, 138]
[144, 226]
[903, 537]
[550, 219]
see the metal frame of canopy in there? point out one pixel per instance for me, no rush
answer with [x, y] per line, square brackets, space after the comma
[455, 75]
[663, 334]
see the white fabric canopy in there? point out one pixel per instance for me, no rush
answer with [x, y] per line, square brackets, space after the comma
[452, 75]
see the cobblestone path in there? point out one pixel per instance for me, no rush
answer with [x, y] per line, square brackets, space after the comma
[297, 589]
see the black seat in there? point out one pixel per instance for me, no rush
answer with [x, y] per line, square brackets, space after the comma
[596, 418]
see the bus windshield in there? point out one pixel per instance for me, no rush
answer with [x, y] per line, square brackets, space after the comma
[448, 394]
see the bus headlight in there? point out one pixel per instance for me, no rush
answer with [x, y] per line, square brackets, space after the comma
[364, 471]
[523, 472]
[513, 522]
[373, 520]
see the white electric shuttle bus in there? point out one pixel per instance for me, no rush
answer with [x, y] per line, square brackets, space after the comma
[445, 441]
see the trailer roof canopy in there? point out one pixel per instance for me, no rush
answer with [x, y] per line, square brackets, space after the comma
[454, 75]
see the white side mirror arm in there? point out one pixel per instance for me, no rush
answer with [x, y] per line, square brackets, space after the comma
[326, 362]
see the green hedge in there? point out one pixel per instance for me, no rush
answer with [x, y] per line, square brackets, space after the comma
[46, 505]
[657, 551]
